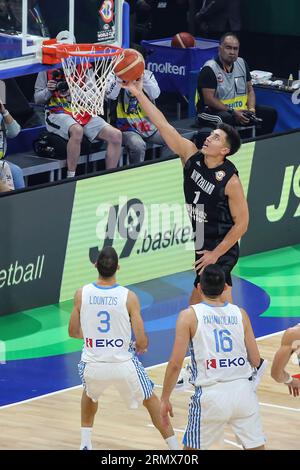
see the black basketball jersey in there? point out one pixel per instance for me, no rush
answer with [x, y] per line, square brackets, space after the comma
[206, 186]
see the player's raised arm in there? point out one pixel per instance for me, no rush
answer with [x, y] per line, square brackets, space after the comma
[178, 144]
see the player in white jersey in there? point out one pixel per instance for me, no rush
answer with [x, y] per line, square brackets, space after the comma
[290, 344]
[104, 316]
[223, 349]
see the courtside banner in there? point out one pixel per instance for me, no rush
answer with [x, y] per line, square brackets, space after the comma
[141, 213]
[34, 233]
[171, 65]
[274, 195]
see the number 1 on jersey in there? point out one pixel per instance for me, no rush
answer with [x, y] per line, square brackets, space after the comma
[196, 198]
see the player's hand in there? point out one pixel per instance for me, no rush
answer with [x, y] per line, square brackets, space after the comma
[134, 87]
[51, 85]
[208, 257]
[138, 348]
[140, 82]
[294, 387]
[166, 410]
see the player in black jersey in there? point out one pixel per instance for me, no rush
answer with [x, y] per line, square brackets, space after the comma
[210, 180]
[214, 197]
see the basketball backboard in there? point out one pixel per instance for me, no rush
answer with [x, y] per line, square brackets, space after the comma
[24, 24]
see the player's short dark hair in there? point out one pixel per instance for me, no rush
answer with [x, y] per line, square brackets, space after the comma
[226, 35]
[232, 137]
[107, 262]
[212, 280]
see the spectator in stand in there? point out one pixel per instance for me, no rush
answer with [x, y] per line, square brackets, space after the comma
[128, 116]
[6, 180]
[215, 17]
[60, 121]
[168, 17]
[226, 93]
[140, 17]
[9, 128]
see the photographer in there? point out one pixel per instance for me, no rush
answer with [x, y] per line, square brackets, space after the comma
[226, 93]
[51, 90]
[128, 116]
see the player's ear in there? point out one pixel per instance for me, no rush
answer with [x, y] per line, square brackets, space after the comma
[225, 151]
[226, 287]
[118, 267]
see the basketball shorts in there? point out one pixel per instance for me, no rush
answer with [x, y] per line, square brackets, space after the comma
[226, 262]
[129, 378]
[211, 408]
[60, 124]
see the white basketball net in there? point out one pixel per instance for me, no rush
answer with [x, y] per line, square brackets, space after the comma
[86, 78]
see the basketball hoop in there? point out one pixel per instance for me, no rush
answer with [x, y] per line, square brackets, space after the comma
[86, 67]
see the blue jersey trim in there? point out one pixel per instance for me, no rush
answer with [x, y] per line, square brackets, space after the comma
[105, 287]
[215, 306]
[192, 435]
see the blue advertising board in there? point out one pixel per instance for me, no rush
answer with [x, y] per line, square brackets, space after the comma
[172, 65]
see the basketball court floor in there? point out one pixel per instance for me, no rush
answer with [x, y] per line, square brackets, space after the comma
[40, 388]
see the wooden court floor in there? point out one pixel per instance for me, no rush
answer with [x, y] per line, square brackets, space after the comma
[53, 422]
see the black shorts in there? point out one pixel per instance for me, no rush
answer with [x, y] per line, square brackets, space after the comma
[227, 263]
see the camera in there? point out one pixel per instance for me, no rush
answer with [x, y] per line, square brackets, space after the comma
[61, 84]
[253, 119]
[43, 148]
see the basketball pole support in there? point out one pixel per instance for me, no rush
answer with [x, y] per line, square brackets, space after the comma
[125, 26]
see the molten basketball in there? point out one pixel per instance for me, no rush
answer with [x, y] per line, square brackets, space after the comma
[183, 40]
[131, 67]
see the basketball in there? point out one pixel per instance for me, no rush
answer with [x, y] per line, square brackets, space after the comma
[131, 67]
[183, 40]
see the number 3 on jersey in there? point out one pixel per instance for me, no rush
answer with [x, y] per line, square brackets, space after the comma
[104, 321]
[223, 340]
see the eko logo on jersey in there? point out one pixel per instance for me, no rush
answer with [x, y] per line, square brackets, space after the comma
[103, 343]
[107, 11]
[226, 362]
[211, 364]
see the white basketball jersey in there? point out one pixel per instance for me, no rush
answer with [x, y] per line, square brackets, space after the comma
[218, 351]
[105, 324]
